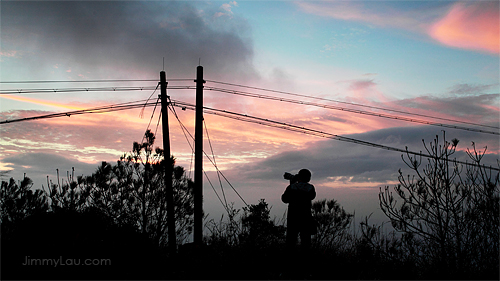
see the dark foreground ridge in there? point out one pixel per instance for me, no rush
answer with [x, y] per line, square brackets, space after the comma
[56, 246]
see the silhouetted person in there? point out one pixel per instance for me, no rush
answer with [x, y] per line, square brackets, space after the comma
[299, 195]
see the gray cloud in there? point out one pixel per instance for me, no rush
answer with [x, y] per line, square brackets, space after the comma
[38, 166]
[471, 89]
[478, 108]
[362, 84]
[356, 163]
[121, 39]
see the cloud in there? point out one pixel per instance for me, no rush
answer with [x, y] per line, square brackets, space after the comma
[38, 166]
[472, 25]
[227, 9]
[362, 84]
[374, 13]
[9, 53]
[365, 91]
[470, 89]
[88, 138]
[123, 39]
[479, 108]
[353, 164]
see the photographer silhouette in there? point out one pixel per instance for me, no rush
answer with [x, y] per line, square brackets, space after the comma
[298, 195]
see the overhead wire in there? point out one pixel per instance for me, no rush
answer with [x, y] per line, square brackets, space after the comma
[103, 109]
[213, 111]
[142, 111]
[206, 155]
[184, 131]
[89, 89]
[294, 128]
[352, 103]
[182, 126]
[229, 114]
[401, 118]
[215, 162]
[91, 81]
[275, 98]
[217, 194]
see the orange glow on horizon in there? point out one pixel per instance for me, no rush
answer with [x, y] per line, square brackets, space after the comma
[41, 102]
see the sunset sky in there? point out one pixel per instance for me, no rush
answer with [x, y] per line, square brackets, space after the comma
[434, 58]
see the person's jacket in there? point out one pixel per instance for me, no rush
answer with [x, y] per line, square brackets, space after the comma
[298, 196]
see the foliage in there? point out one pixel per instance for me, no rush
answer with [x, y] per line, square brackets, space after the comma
[132, 192]
[18, 200]
[452, 215]
[225, 233]
[253, 227]
[333, 224]
[257, 227]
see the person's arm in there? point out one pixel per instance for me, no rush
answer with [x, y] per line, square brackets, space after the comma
[286, 195]
[312, 194]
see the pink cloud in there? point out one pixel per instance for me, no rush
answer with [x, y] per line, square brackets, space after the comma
[474, 26]
[470, 25]
[9, 54]
[383, 15]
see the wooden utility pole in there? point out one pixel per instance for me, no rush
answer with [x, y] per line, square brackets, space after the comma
[169, 192]
[198, 159]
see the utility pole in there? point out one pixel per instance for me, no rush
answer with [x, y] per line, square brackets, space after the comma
[168, 165]
[198, 159]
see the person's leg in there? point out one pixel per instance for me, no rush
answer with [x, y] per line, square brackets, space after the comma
[291, 254]
[291, 237]
[305, 245]
[305, 239]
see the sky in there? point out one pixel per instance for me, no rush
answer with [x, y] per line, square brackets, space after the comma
[434, 58]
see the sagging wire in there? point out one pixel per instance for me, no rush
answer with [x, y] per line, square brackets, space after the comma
[206, 155]
[141, 114]
[215, 163]
[184, 130]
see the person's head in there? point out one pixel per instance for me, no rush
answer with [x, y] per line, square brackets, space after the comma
[304, 175]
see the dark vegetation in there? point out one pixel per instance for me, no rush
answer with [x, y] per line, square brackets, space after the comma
[445, 216]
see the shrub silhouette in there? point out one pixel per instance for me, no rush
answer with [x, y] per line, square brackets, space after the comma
[450, 216]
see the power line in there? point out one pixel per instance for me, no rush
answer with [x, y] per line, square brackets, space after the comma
[90, 89]
[206, 155]
[215, 162]
[351, 103]
[91, 81]
[401, 118]
[103, 109]
[294, 128]
[184, 130]
[234, 92]
[232, 115]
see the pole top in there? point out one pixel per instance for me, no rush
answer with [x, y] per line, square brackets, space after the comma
[163, 76]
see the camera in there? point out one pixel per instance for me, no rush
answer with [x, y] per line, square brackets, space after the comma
[292, 178]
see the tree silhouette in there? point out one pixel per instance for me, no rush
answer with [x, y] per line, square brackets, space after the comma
[450, 216]
[332, 224]
[257, 227]
[18, 201]
[132, 192]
